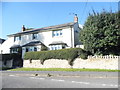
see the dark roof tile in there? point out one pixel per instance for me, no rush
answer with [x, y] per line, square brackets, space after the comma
[34, 43]
[45, 28]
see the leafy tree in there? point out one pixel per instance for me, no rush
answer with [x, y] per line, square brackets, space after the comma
[101, 33]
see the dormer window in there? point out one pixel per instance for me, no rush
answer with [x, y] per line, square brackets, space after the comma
[17, 38]
[34, 35]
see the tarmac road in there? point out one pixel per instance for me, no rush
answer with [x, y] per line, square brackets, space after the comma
[59, 79]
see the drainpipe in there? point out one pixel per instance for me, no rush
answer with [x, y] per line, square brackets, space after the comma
[72, 37]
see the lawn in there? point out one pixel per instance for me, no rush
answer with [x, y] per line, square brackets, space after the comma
[62, 69]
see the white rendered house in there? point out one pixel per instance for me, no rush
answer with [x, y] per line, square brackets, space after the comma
[54, 37]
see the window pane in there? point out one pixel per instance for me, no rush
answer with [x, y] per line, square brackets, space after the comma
[17, 38]
[27, 49]
[55, 48]
[35, 48]
[57, 33]
[35, 36]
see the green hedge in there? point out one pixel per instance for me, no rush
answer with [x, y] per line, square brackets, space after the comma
[68, 54]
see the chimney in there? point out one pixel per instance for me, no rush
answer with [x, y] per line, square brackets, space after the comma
[75, 18]
[23, 28]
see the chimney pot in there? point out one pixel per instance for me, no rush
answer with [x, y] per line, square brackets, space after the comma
[75, 18]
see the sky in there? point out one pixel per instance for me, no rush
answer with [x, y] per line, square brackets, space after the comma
[43, 14]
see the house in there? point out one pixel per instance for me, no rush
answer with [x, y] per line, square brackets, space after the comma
[1, 41]
[53, 37]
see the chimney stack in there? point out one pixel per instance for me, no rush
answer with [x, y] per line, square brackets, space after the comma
[75, 18]
[23, 28]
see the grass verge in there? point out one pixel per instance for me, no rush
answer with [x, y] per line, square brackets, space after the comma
[62, 69]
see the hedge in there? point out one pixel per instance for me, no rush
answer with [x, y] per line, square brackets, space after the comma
[68, 54]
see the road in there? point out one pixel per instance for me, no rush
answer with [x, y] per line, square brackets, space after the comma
[68, 80]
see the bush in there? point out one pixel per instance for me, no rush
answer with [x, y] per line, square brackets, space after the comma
[68, 54]
[44, 48]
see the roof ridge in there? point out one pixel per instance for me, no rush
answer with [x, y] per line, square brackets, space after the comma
[53, 25]
[46, 28]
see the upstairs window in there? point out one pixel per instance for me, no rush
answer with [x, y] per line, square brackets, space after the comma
[35, 36]
[57, 33]
[17, 38]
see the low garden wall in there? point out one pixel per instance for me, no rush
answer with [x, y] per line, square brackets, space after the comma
[51, 63]
[69, 58]
[97, 62]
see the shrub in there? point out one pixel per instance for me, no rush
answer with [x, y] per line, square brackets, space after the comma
[83, 56]
[44, 48]
[68, 54]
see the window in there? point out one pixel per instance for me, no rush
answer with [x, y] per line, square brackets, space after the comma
[35, 48]
[14, 50]
[35, 35]
[57, 33]
[27, 49]
[56, 47]
[17, 38]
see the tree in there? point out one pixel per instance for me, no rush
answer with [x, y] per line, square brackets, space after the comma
[101, 33]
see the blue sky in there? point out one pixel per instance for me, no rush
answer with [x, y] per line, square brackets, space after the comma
[42, 14]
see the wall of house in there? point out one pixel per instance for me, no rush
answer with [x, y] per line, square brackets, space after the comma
[47, 38]
[5, 47]
[76, 34]
[26, 38]
[91, 62]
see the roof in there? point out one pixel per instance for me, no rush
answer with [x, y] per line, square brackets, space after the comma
[58, 43]
[34, 43]
[45, 28]
[1, 40]
[15, 46]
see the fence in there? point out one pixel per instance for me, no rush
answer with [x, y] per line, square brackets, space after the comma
[104, 57]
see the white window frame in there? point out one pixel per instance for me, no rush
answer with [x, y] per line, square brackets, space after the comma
[57, 33]
[36, 49]
[56, 47]
[17, 38]
[35, 36]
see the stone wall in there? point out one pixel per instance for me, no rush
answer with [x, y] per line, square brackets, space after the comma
[91, 62]
[51, 63]
[96, 63]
